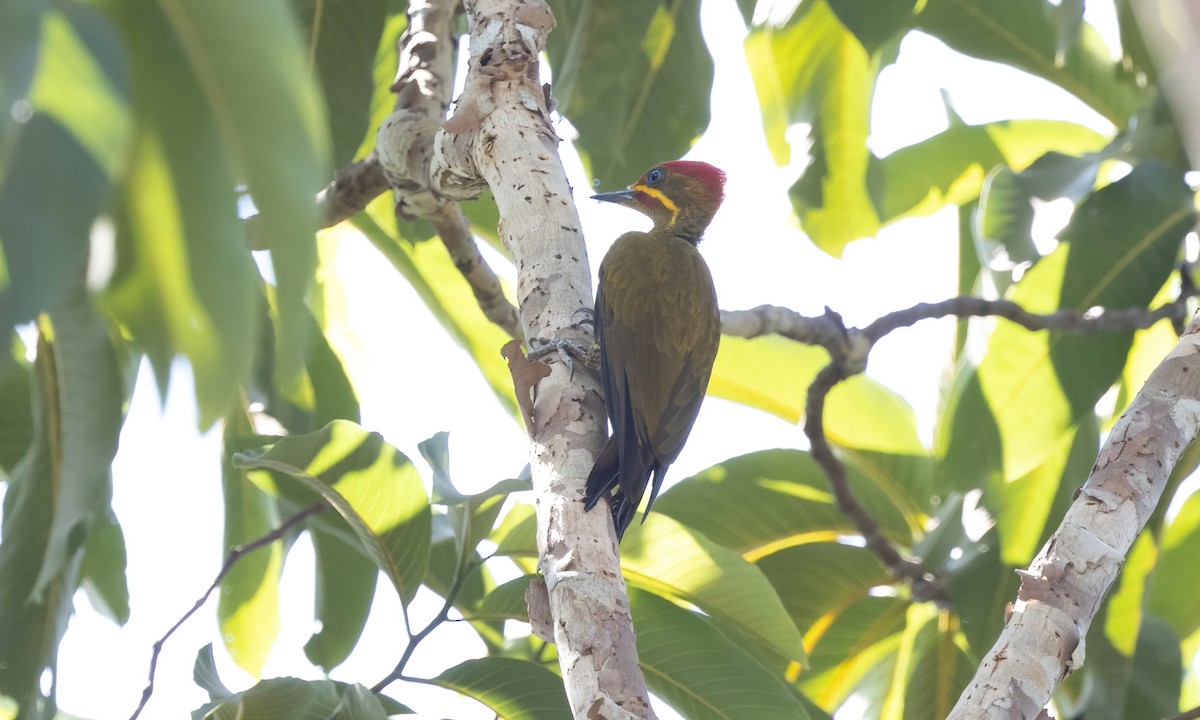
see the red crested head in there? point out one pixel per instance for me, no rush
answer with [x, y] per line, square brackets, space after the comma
[712, 177]
[680, 196]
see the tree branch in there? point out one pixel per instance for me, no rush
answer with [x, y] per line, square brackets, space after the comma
[925, 586]
[455, 231]
[1042, 641]
[414, 639]
[423, 86]
[354, 186]
[849, 349]
[234, 556]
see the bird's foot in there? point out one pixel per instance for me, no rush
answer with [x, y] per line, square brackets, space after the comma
[568, 351]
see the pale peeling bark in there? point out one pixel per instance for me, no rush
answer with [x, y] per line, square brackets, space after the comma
[1043, 639]
[501, 135]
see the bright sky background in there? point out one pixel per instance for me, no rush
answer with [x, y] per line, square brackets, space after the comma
[413, 382]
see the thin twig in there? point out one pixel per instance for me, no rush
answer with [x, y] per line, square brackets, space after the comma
[236, 554]
[455, 231]
[1091, 321]
[443, 615]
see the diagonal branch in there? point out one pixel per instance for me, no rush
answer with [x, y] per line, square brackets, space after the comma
[423, 87]
[1042, 640]
[849, 350]
[455, 231]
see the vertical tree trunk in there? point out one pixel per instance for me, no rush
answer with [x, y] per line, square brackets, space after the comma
[501, 133]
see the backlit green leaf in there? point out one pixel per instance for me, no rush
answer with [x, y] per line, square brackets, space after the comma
[373, 486]
[248, 604]
[814, 70]
[634, 78]
[513, 689]
[674, 561]
[1024, 33]
[699, 671]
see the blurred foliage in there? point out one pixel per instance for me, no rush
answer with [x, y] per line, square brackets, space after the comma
[137, 137]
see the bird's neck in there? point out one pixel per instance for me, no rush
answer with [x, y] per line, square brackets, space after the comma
[690, 235]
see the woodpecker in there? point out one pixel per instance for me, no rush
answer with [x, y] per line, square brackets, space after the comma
[658, 327]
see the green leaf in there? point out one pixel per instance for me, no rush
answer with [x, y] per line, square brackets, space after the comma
[515, 534]
[1143, 684]
[814, 70]
[248, 604]
[383, 100]
[1135, 54]
[507, 601]
[1024, 34]
[89, 393]
[874, 24]
[513, 689]
[316, 397]
[16, 407]
[847, 643]
[1069, 25]
[44, 241]
[340, 38]
[273, 698]
[1168, 596]
[817, 581]
[184, 282]
[937, 669]
[428, 267]
[1032, 388]
[102, 573]
[19, 45]
[770, 373]
[1124, 615]
[699, 671]
[444, 560]
[950, 167]
[82, 82]
[370, 484]
[1022, 506]
[226, 80]
[634, 78]
[773, 374]
[760, 503]
[359, 703]
[204, 674]
[674, 561]
[32, 621]
[290, 698]
[345, 587]
[248, 60]
[1006, 204]
[471, 516]
[979, 584]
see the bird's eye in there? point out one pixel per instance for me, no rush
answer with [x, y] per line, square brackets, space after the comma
[654, 177]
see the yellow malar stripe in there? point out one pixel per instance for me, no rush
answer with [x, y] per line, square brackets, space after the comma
[661, 198]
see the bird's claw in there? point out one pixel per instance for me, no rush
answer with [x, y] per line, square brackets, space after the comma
[589, 318]
[566, 349]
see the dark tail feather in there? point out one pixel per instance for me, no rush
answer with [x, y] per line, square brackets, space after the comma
[623, 513]
[603, 476]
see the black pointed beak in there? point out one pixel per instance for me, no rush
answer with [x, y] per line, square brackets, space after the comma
[620, 197]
